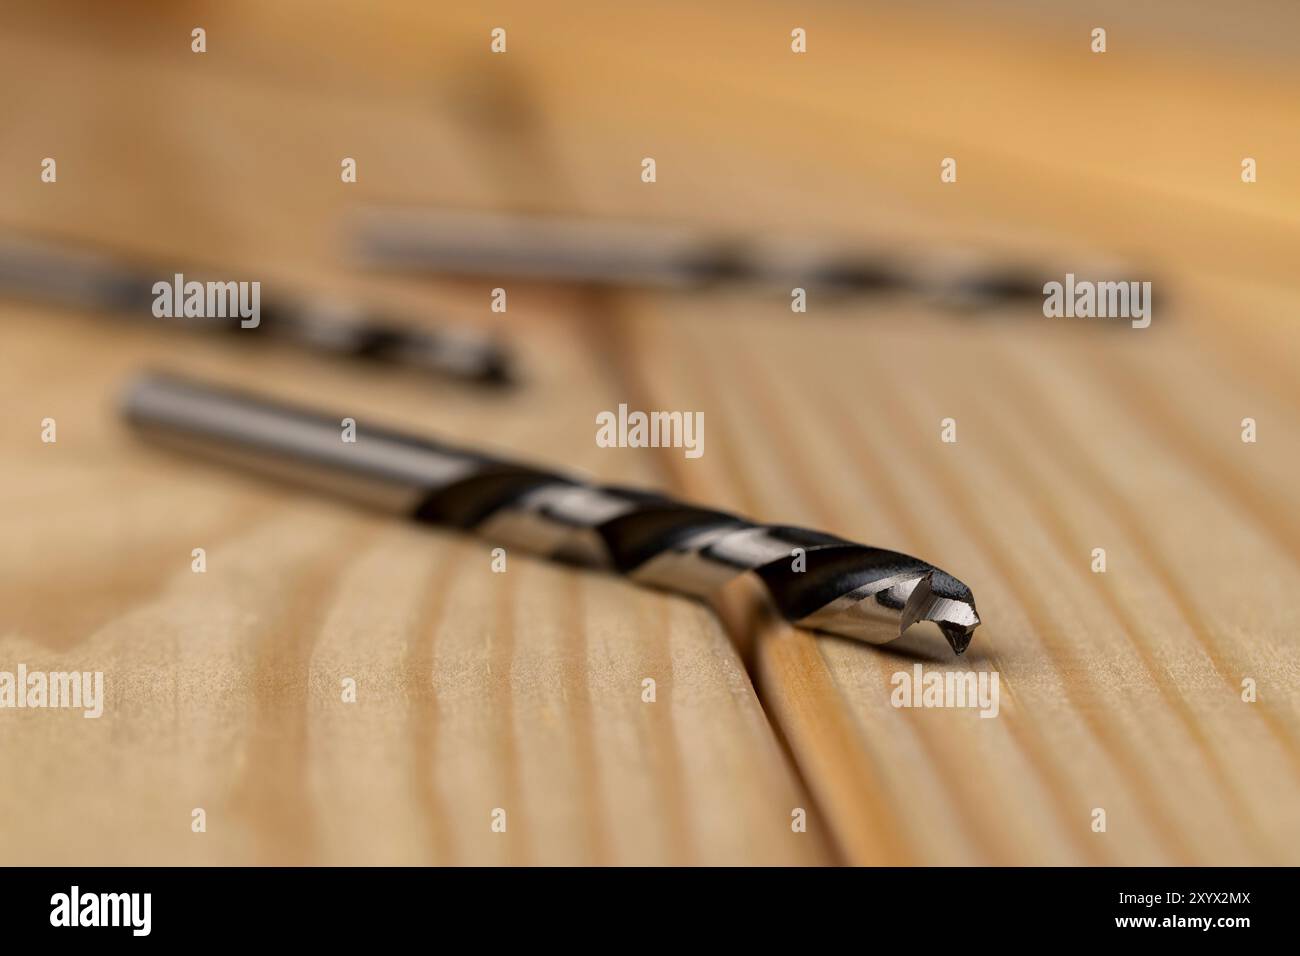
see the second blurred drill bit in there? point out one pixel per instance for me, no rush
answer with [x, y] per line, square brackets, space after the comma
[49, 272]
[553, 248]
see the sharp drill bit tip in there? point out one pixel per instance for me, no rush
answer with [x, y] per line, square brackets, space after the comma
[954, 613]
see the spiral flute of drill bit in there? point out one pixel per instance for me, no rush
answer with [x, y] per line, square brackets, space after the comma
[815, 580]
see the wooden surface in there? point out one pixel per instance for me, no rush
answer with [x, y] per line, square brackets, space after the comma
[522, 691]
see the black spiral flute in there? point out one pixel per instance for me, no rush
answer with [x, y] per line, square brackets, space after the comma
[815, 580]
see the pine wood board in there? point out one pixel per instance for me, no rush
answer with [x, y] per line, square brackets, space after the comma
[1121, 690]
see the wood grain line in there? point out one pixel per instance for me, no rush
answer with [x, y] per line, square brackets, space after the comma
[663, 745]
[500, 666]
[272, 792]
[424, 717]
[579, 698]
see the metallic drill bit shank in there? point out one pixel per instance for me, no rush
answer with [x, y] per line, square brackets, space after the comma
[833, 585]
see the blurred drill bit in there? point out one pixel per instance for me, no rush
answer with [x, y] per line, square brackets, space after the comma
[575, 249]
[49, 272]
[816, 580]
[547, 248]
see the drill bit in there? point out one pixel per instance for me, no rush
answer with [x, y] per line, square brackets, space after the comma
[556, 248]
[816, 580]
[549, 248]
[44, 271]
